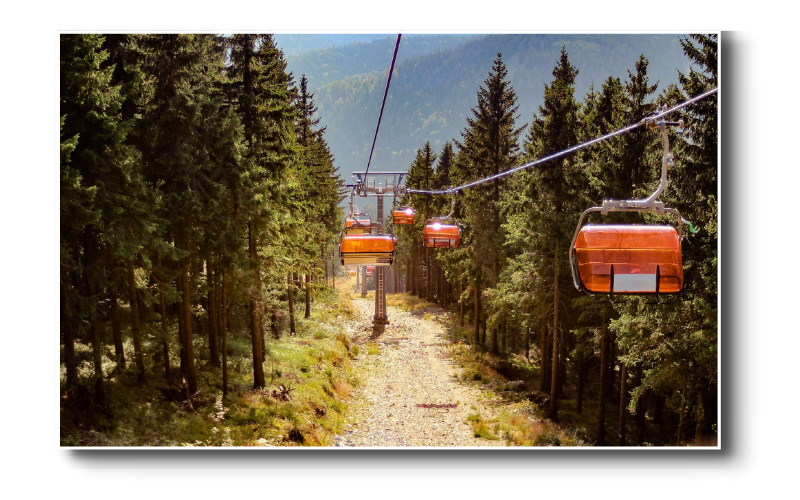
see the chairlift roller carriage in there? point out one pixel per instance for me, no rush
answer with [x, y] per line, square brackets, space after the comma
[626, 258]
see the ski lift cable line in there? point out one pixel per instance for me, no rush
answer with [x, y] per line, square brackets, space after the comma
[385, 94]
[564, 152]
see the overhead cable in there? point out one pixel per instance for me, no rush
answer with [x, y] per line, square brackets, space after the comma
[385, 94]
[564, 152]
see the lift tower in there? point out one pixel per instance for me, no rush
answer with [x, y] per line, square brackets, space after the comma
[379, 184]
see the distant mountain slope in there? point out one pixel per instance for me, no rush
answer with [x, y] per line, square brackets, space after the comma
[328, 65]
[431, 95]
[297, 44]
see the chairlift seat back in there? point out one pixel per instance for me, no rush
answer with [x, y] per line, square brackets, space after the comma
[629, 259]
[375, 249]
[403, 216]
[438, 235]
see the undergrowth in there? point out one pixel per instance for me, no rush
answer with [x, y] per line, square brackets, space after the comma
[308, 376]
[519, 422]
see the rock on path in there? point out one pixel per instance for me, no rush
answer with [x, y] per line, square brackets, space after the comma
[410, 370]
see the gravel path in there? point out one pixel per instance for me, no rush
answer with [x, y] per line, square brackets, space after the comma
[411, 369]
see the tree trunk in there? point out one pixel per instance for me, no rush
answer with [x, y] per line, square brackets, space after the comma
[658, 411]
[97, 358]
[273, 323]
[261, 315]
[182, 325]
[224, 312]
[290, 293]
[528, 345]
[324, 264]
[308, 293]
[477, 307]
[89, 292]
[137, 339]
[705, 432]
[410, 274]
[255, 312]
[641, 408]
[483, 325]
[562, 362]
[623, 379]
[579, 355]
[544, 372]
[69, 339]
[428, 273]
[682, 411]
[164, 333]
[460, 301]
[117, 330]
[213, 333]
[191, 374]
[505, 337]
[554, 380]
[363, 281]
[494, 284]
[601, 407]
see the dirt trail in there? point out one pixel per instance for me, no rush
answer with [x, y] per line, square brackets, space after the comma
[410, 370]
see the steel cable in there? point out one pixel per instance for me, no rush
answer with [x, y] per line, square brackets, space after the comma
[385, 94]
[564, 152]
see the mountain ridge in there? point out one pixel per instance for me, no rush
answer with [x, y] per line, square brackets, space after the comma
[431, 94]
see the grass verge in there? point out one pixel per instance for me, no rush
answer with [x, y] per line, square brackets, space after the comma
[308, 376]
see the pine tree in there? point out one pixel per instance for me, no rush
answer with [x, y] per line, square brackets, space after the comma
[322, 185]
[262, 92]
[489, 146]
[116, 220]
[421, 175]
[187, 136]
[552, 194]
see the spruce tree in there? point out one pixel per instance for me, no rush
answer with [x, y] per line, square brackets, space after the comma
[117, 222]
[187, 135]
[552, 191]
[262, 92]
[489, 146]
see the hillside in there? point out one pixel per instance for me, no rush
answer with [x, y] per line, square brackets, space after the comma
[360, 57]
[432, 94]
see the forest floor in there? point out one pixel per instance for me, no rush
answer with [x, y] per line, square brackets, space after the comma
[337, 382]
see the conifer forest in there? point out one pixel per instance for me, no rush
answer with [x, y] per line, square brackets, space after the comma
[207, 297]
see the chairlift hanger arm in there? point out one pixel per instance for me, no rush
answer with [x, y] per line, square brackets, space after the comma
[651, 204]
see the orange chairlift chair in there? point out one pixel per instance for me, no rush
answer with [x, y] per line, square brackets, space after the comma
[403, 216]
[627, 258]
[437, 233]
[358, 224]
[374, 249]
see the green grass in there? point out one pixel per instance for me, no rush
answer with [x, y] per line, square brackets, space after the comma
[408, 302]
[519, 422]
[315, 366]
